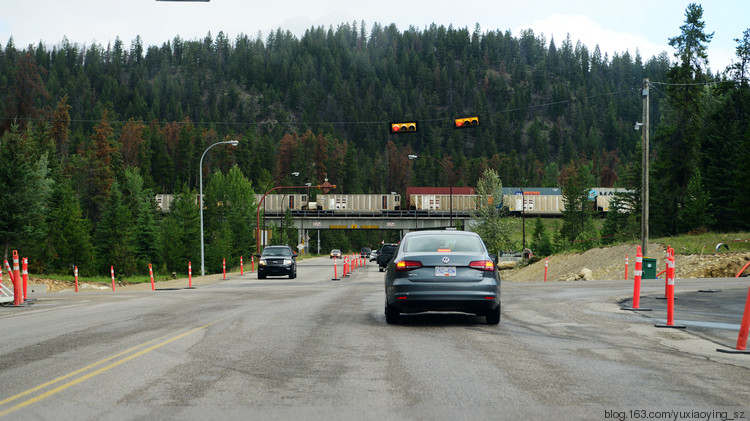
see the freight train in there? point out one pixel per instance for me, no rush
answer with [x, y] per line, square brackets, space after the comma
[424, 201]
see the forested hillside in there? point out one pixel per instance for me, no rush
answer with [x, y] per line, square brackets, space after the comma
[91, 132]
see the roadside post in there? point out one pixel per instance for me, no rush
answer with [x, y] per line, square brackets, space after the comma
[670, 293]
[741, 347]
[636, 282]
[335, 271]
[626, 267]
[16, 280]
[25, 276]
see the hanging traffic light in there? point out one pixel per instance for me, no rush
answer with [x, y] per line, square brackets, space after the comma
[465, 122]
[410, 126]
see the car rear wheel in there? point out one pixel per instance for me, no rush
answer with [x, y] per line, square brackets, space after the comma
[493, 316]
[392, 316]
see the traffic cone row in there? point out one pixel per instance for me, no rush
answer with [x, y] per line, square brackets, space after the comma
[19, 275]
[351, 262]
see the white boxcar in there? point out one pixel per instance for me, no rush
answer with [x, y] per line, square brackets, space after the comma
[359, 202]
[534, 204]
[442, 202]
[277, 202]
[164, 201]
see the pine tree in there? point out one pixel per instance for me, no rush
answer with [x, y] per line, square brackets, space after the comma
[147, 240]
[494, 230]
[577, 216]
[677, 141]
[180, 240]
[114, 236]
[67, 241]
[24, 188]
[696, 213]
[541, 243]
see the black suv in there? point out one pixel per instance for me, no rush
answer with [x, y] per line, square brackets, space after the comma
[277, 261]
[386, 254]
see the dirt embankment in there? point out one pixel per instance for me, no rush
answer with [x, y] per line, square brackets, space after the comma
[609, 263]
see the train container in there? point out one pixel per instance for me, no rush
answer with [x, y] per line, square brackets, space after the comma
[532, 204]
[164, 202]
[438, 191]
[442, 202]
[603, 196]
[358, 202]
[279, 202]
[538, 191]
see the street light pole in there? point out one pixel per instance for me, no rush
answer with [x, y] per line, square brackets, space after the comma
[644, 169]
[200, 183]
[450, 184]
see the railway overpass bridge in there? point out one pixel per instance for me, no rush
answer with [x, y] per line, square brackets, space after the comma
[403, 221]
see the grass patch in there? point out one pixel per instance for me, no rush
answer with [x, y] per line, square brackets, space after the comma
[705, 243]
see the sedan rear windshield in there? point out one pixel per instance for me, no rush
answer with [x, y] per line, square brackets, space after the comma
[434, 243]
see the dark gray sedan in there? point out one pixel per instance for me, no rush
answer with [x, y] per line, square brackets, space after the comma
[442, 271]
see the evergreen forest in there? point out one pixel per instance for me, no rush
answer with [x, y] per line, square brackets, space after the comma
[90, 134]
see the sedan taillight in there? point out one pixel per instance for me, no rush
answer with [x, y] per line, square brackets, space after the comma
[408, 265]
[486, 265]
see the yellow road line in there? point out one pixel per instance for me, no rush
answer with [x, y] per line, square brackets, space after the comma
[94, 373]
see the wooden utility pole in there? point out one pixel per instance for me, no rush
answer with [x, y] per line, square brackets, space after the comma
[644, 171]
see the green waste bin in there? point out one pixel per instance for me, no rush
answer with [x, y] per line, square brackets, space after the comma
[649, 268]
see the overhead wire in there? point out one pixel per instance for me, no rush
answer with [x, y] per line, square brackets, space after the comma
[240, 123]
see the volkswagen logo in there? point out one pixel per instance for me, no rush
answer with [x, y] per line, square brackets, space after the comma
[446, 259]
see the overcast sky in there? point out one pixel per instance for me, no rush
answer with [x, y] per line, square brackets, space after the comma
[616, 26]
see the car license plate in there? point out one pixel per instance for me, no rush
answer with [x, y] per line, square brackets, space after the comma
[445, 271]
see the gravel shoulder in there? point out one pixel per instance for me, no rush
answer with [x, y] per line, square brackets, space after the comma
[608, 263]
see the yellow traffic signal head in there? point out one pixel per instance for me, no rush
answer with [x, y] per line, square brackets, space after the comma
[410, 126]
[462, 123]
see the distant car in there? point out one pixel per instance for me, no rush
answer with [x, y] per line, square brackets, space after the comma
[365, 252]
[442, 271]
[385, 255]
[277, 261]
[373, 256]
[335, 253]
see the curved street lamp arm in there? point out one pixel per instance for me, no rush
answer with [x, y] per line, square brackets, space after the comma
[200, 195]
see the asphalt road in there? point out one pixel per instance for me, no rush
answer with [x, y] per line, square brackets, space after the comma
[314, 348]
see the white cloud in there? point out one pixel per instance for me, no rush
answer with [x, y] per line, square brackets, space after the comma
[582, 28]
